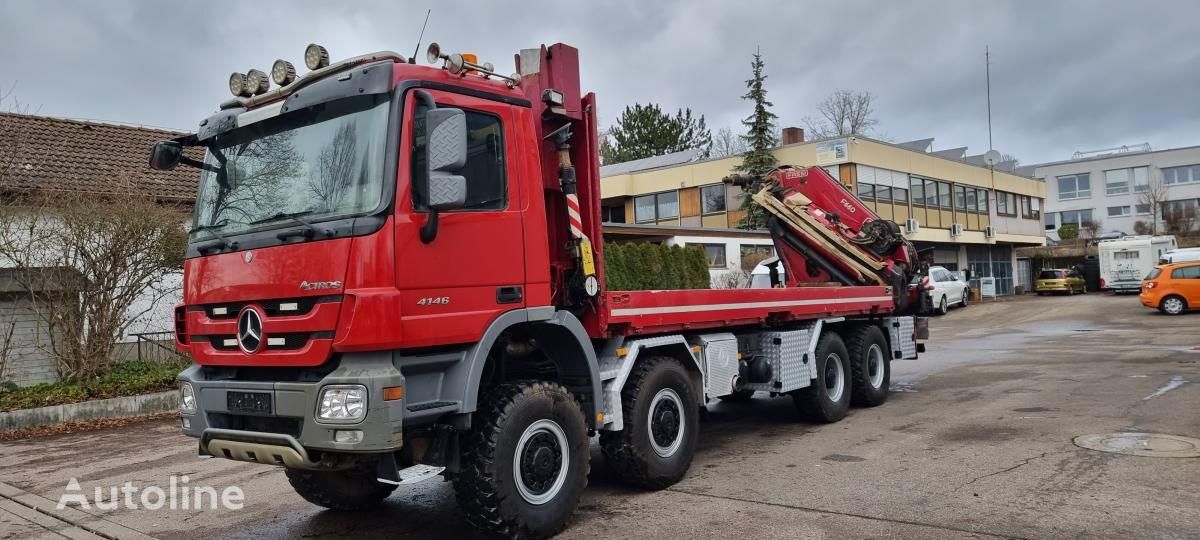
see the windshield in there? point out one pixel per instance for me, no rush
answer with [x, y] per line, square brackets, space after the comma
[319, 163]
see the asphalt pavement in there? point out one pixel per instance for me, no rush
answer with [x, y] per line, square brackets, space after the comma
[975, 442]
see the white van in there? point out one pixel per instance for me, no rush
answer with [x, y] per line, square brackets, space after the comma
[1180, 255]
[1124, 262]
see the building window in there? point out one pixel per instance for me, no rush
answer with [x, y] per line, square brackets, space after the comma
[1116, 182]
[1142, 209]
[883, 193]
[1006, 204]
[1074, 186]
[1050, 223]
[754, 254]
[712, 199]
[668, 205]
[612, 214]
[1077, 217]
[715, 254]
[931, 194]
[1141, 179]
[944, 195]
[960, 198]
[981, 201]
[900, 195]
[1181, 175]
[643, 208]
[1187, 209]
[656, 207]
[972, 199]
[1118, 211]
[865, 190]
[1030, 207]
[917, 188]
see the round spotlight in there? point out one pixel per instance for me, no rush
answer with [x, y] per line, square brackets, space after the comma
[315, 56]
[433, 53]
[237, 84]
[487, 66]
[256, 82]
[283, 72]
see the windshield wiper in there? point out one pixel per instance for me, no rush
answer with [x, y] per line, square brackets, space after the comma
[308, 231]
[220, 243]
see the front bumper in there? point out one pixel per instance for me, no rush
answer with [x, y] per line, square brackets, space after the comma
[292, 420]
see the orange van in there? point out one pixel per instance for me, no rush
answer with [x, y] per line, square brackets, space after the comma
[1172, 288]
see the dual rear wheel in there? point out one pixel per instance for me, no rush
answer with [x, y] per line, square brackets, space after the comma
[854, 369]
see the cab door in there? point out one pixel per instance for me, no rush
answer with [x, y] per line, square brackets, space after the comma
[452, 287]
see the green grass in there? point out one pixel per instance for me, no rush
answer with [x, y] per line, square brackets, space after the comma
[126, 379]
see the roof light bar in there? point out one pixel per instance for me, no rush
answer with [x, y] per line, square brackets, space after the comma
[256, 82]
[237, 85]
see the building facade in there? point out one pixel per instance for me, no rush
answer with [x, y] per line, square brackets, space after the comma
[1115, 190]
[959, 214]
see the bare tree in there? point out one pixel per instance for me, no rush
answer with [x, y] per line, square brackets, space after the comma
[11, 136]
[1091, 227]
[726, 144]
[1153, 196]
[1179, 219]
[84, 261]
[844, 113]
[335, 168]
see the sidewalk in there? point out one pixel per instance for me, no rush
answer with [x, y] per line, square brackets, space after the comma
[28, 516]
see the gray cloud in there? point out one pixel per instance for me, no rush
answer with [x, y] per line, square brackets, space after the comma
[1065, 75]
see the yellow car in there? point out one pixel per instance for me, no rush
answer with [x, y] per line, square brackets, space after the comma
[1060, 281]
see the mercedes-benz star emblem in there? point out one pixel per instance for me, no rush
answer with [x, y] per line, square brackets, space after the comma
[250, 331]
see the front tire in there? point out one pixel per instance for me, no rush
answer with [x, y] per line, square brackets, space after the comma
[872, 368]
[660, 415]
[525, 462]
[828, 399]
[354, 489]
[943, 306]
[1172, 305]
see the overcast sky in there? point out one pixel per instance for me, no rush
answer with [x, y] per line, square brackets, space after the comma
[1066, 76]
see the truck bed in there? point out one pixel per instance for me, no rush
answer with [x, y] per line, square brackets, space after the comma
[651, 312]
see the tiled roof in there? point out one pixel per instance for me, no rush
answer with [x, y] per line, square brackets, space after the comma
[41, 153]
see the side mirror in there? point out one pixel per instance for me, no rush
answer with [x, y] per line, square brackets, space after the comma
[447, 191]
[165, 155]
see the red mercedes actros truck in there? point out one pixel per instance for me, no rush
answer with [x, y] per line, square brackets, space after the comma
[395, 273]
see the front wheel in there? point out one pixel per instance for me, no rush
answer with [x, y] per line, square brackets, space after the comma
[828, 399]
[525, 461]
[943, 306]
[660, 415]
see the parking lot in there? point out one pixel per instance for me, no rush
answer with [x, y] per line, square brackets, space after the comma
[976, 441]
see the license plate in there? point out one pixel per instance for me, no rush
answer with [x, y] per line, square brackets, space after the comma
[248, 402]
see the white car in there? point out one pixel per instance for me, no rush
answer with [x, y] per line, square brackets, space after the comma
[947, 291]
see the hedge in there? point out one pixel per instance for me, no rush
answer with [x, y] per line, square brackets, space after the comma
[126, 379]
[647, 265]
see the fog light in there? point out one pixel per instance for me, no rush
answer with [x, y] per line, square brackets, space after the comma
[343, 403]
[187, 399]
[351, 436]
[187, 423]
[315, 56]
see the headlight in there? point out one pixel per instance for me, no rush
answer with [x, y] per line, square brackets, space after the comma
[345, 403]
[187, 398]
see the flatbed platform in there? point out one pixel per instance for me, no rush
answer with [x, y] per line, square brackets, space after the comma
[651, 312]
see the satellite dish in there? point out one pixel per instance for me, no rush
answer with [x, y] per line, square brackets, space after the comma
[991, 157]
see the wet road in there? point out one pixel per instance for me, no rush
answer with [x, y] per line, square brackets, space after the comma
[976, 441]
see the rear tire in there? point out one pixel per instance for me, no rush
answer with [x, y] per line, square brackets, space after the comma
[525, 461]
[1173, 305]
[353, 489]
[870, 357]
[828, 399]
[661, 421]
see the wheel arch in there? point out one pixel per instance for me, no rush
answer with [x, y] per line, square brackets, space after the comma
[561, 337]
[619, 358]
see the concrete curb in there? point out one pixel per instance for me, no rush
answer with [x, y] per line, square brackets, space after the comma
[90, 410]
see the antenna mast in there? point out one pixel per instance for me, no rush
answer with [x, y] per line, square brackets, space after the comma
[421, 36]
[987, 66]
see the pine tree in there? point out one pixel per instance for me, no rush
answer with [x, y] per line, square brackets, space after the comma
[645, 130]
[760, 139]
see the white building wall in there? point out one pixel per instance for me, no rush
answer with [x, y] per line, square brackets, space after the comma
[1099, 201]
[733, 251]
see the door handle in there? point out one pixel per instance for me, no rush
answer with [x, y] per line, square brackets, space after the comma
[508, 295]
